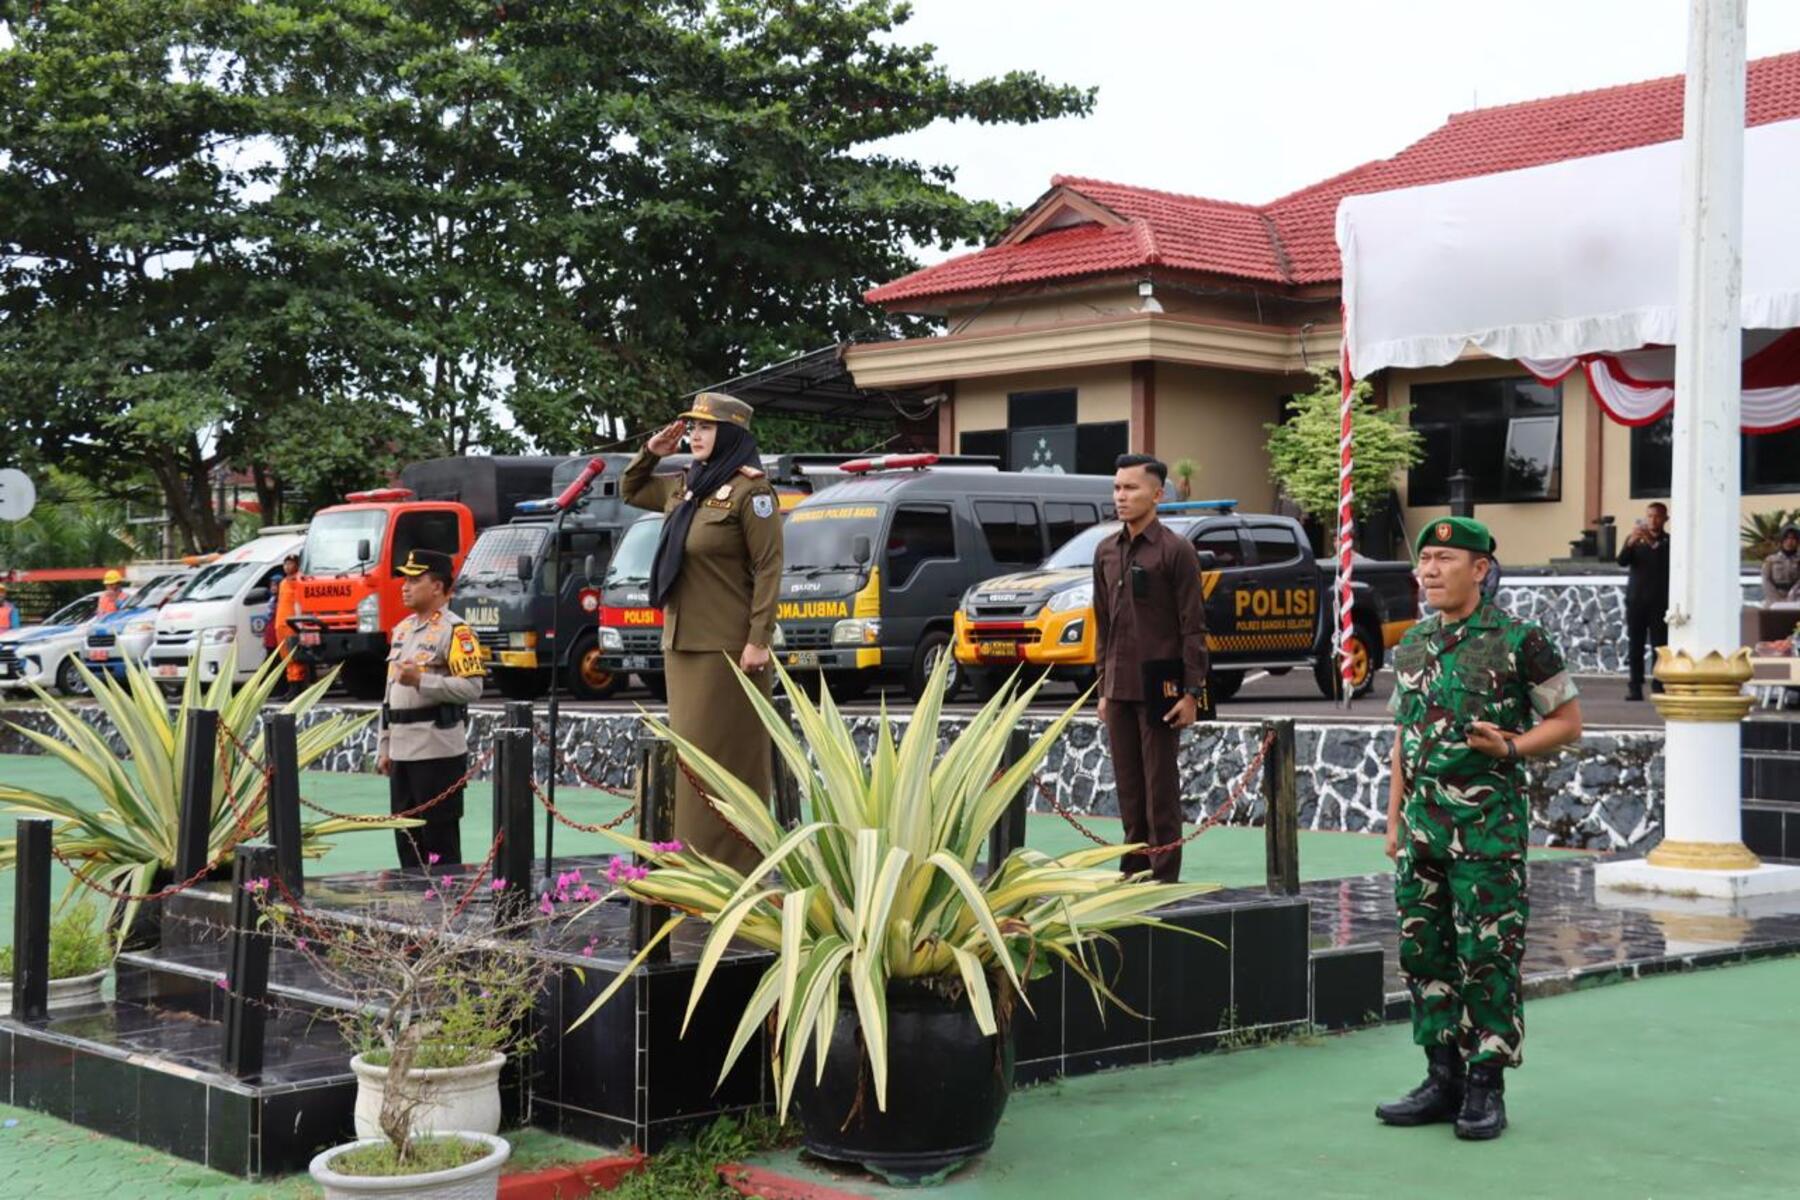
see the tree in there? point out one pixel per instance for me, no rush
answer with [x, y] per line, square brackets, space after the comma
[1304, 456]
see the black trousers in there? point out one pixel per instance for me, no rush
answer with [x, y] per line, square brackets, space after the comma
[1644, 624]
[1143, 757]
[411, 784]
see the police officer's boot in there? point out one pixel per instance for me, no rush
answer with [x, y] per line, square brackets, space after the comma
[1484, 1104]
[1437, 1099]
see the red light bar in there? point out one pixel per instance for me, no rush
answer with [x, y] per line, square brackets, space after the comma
[379, 495]
[888, 462]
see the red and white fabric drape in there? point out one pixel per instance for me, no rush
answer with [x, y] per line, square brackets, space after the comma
[1637, 387]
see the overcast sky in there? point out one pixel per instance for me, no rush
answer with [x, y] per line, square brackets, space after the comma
[1251, 99]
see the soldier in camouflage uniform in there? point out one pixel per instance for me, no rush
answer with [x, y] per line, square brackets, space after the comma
[1475, 693]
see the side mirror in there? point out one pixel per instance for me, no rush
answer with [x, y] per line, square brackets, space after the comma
[364, 551]
[861, 549]
[589, 567]
[1208, 560]
[523, 567]
[256, 596]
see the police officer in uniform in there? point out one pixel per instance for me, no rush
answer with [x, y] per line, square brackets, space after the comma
[1781, 570]
[434, 671]
[716, 575]
[1476, 692]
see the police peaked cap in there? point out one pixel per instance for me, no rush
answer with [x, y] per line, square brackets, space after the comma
[429, 562]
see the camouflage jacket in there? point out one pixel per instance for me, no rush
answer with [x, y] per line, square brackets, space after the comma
[1460, 803]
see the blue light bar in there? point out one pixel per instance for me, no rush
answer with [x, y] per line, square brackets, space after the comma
[546, 505]
[1179, 506]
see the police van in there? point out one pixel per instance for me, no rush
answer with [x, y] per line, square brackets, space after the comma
[1268, 606]
[875, 565]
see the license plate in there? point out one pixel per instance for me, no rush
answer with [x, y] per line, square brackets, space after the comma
[168, 671]
[637, 662]
[997, 649]
[96, 656]
[803, 658]
[309, 637]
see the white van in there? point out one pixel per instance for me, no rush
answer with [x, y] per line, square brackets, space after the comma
[223, 608]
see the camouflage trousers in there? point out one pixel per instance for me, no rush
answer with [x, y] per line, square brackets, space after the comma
[1462, 935]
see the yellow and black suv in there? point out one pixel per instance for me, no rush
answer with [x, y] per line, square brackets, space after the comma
[1268, 605]
[875, 565]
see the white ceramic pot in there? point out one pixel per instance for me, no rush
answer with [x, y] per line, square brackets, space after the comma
[73, 992]
[479, 1180]
[463, 1099]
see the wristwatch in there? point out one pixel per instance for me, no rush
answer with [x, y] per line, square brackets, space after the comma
[1196, 690]
[1512, 750]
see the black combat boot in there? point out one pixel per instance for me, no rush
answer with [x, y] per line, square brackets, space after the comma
[1484, 1104]
[1437, 1099]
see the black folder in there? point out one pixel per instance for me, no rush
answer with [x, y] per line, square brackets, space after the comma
[1162, 687]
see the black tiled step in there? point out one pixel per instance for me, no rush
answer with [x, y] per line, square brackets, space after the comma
[1772, 775]
[1771, 733]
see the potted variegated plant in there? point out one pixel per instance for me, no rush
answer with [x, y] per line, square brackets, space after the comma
[887, 945]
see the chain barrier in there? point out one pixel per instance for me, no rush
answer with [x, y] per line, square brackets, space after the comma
[475, 767]
[712, 802]
[1231, 801]
[581, 826]
[558, 758]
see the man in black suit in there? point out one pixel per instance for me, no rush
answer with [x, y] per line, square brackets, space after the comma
[1646, 556]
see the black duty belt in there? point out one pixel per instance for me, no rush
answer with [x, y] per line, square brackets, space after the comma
[441, 715]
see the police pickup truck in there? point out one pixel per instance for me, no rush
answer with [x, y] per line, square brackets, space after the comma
[1268, 605]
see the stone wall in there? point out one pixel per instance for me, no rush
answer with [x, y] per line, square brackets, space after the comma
[1604, 793]
[1584, 614]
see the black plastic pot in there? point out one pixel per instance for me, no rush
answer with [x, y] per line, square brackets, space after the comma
[946, 1090]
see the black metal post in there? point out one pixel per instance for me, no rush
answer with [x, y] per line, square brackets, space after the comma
[280, 742]
[247, 976]
[31, 919]
[787, 787]
[1281, 809]
[513, 800]
[193, 834]
[1462, 494]
[556, 672]
[655, 823]
[1008, 833]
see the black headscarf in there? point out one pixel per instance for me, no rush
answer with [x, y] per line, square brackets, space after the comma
[733, 447]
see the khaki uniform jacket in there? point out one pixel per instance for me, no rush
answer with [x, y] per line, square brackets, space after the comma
[731, 566]
[450, 661]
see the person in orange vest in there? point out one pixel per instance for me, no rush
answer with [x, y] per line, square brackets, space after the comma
[113, 598]
[9, 616]
[287, 604]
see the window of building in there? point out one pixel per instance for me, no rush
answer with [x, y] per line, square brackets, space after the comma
[1064, 521]
[1275, 545]
[1222, 541]
[984, 441]
[919, 534]
[1770, 461]
[1011, 527]
[1099, 444]
[1039, 410]
[1505, 433]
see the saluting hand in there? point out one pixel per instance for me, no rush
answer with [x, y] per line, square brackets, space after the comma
[667, 440]
[753, 659]
[409, 675]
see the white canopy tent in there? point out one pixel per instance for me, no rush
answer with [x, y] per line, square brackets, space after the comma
[1573, 263]
[1604, 264]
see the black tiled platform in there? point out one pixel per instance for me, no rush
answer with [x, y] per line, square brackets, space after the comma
[1573, 938]
[1771, 786]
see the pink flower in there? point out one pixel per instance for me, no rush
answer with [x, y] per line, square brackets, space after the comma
[545, 907]
[301, 943]
[220, 984]
[258, 885]
[431, 860]
[497, 885]
[666, 847]
[431, 893]
[587, 951]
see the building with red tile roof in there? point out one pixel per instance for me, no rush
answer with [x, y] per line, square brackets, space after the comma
[1111, 317]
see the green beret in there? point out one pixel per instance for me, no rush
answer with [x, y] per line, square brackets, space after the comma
[1464, 533]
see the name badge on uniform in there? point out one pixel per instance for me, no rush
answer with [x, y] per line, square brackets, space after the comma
[725, 504]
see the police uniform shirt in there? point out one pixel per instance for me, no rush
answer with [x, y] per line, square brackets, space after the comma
[449, 660]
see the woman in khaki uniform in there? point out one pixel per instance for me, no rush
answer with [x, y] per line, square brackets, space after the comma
[716, 575]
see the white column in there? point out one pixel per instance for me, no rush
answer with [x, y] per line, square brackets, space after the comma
[1702, 668]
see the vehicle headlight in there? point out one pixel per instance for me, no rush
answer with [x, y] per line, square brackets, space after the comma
[857, 631]
[368, 614]
[1079, 596]
[610, 638]
[521, 639]
[220, 635]
[145, 626]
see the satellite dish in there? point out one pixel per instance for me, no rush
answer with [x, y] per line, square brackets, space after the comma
[17, 495]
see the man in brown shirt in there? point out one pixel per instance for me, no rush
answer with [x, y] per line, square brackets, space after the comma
[1151, 628]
